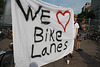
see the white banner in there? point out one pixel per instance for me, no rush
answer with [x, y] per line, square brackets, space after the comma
[42, 33]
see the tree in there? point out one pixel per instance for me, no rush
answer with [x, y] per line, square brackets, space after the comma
[1, 1]
[87, 15]
[91, 15]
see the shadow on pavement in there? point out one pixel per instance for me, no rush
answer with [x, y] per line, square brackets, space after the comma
[91, 60]
[98, 49]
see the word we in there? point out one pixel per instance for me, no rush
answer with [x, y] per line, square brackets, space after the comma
[26, 15]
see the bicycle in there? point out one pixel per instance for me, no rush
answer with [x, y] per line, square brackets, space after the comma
[2, 54]
[6, 58]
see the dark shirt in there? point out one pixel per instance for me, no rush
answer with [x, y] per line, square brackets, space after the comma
[82, 28]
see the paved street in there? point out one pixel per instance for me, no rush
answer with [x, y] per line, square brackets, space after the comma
[8, 58]
[89, 57]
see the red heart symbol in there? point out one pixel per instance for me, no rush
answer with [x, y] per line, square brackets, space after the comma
[59, 12]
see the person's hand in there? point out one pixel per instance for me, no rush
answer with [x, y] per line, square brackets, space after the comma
[84, 25]
[75, 38]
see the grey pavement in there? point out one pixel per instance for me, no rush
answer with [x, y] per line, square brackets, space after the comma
[8, 58]
[89, 57]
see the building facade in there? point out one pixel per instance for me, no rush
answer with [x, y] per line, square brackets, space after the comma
[87, 7]
[95, 7]
[5, 13]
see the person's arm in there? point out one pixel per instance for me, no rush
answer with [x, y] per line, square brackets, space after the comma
[76, 33]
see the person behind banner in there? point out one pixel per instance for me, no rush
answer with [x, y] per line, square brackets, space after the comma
[81, 35]
[76, 26]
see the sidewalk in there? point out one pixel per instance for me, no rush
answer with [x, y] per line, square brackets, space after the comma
[89, 57]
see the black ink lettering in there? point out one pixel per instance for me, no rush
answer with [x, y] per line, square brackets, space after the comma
[65, 45]
[58, 47]
[51, 35]
[58, 35]
[53, 44]
[45, 22]
[46, 35]
[38, 34]
[29, 11]
[45, 51]
[32, 53]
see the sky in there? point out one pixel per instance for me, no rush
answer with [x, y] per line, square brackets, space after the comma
[76, 5]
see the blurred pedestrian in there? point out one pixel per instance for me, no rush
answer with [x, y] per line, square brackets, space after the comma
[81, 33]
[76, 26]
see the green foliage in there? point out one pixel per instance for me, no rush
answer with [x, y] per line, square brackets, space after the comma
[1, 1]
[82, 15]
[87, 15]
[91, 15]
